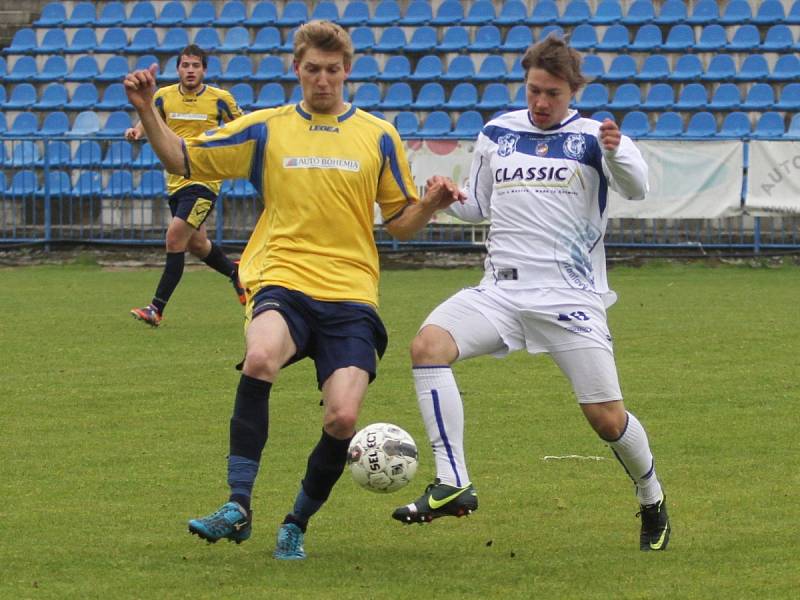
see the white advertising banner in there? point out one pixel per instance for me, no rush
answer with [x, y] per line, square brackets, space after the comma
[773, 179]
[688, 180]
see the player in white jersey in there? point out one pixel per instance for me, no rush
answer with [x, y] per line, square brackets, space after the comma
[540, 176]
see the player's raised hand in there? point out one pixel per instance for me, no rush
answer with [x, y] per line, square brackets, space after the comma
[140, 86]
[610, 135]
[441, 192]
[133, 133]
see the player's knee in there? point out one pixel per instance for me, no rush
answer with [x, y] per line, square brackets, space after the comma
[433, 346]
[261, 363]
[341, 423]
[199, 248]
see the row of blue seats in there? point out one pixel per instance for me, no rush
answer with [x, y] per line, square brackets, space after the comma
[55, 97]
[418, 12]
[736, 125]
[87, 153]
[57, 123]
[424, 39]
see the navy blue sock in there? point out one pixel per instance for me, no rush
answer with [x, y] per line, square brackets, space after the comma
[217, 260]
[170, 278]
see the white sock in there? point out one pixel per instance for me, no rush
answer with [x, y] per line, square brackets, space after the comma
[443, 412]
[633, 451]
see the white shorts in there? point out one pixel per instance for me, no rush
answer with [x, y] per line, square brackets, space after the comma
[568, 324]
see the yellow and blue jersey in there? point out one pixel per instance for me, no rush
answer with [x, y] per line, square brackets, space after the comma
[320, 177]
[190, 114]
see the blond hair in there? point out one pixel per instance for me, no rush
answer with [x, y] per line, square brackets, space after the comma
[323, 35]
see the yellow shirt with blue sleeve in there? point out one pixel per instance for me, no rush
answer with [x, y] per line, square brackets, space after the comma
[320, 177]
[189, 114]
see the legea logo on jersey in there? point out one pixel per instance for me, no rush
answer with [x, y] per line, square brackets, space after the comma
[574, 146]
[321, 162]
[325, 128]
[507, 144]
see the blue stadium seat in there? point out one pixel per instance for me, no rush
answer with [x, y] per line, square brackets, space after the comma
[669, 124]
[169, 74]
[115, 69]
[295, 13]
[243, 95]
[575, 12]
[356, 13]
[423, 40]
[365, 68]
[207, 38]
[83, 42]
[769, 12]
[712, 39]
[735, 125]
[593, 97]
[268, 39]
[737, 12]
[463, 97]
[428, 68]
[56, 184]
[545, 12]
[53, 42]
[23, 42]
[705, 12]
[455, 39]
[450, 12]
[720, 68]
[145, 41]
[793, 18]
[607, 12]
[687, 68]
[725, 97]
[745, 39]
[628, 96]
[111, 15]
[269, 96]
[701, 125]
[622, 68]
[23, 70]
[3, 69]
[517, 39]
[648, 39]
[584, 37]
[493, 68]
[778, 39]
[396, 68]
[23, 184]
[114, 41]
[692, 97]
[363, 39]
[418, 12]
[55, 69]
[639, 13]
[23, 96]
[175, 40]
[287, 46]
[398, 97]
[53, 15]
[24, 153]
[392, 39]
[379, 114]
[436, 124]
[146, 158]
[172, 14]
[515, 73]
[269, 69]
[88, 185]
[468, 125]
[487, 39]
[151, 185]
[495, 96]
[461, 68]
[787, 68]
[753, 68]
[85, 123]
[84, 97]
[480, 12]
[114, 98]
[239, 68]
[512, 12]
[760, 96]
[770, 125]
[387, 13]
[3, 125]
[143, 14]
[615, 39]
[55, 124]
[367, 96]
[2, 95]
[672, 12]
[120, 185]
[679, 39]
[54, 97]
[519, 101]
[88, 154]
[232, 14]
[118, 154]
[654, 68]
[660, 97]
[789, 98]
[237, 39]
[116, 124]
[56, 154]
[203, 14]
[548, 30]
[264, 14]
[84, 14]
[635, 124]
[430, 97]
[793, 131]
[593, 67]
[406, 124]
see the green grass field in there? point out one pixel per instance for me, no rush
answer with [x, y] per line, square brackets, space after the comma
[113, 435]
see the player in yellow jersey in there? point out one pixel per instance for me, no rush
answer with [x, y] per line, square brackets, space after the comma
[311, 265]
[189, 108]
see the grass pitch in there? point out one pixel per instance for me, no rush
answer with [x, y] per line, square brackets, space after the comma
[113, 435]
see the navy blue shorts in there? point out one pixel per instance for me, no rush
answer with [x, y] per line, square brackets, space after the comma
[334, 334]
[193, 204]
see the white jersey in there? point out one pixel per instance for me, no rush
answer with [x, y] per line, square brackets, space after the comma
[544, 193]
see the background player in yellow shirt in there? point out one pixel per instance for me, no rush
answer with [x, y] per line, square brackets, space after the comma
[311, 265]
[189, 108]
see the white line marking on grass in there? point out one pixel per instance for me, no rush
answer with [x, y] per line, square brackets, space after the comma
[574, 457]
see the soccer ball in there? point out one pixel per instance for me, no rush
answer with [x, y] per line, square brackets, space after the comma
[382, 458]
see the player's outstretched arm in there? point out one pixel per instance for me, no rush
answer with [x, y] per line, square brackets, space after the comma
[140, 86]
[623, 161]
[440, 193]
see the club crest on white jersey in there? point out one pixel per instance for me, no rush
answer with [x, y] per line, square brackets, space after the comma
[575, 146]
[507, 144]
